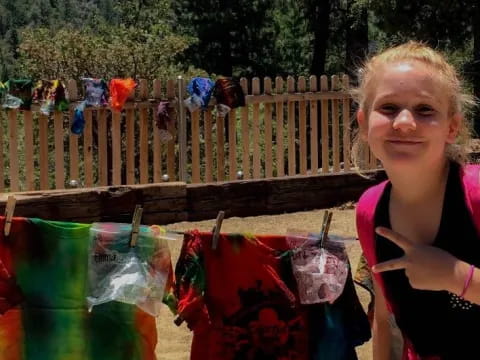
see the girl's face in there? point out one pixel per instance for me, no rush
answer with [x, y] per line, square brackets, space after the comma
[409, 122]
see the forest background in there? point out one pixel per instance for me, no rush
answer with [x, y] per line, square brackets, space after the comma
[163, 38]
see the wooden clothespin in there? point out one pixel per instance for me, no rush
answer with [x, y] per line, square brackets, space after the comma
[9, 209]
[137, 216]
[327, 219]
[216, 229]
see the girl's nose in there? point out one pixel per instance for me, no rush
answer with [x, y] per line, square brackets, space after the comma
[404, 121]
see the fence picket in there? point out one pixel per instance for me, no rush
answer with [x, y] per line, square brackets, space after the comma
[195, 123]
[13, 146]
[157, 145]
[279, 133]
[267, 86]
[325, 137]
[346, 125]
[102, 147]
[302, 128]
[130, 144]
[256, 129]
[291, 128]
[59, 153]
[72, 138]
[144, 145]
[29, 165]
[220, 148]
[232, 144]
[335, 128]
[245, 133]
[208, 146]
[116, 148]
[313, 128]
[171, 159]
[87, 149]
[43, 134]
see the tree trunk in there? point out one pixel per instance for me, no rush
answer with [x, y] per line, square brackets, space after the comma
[356, 42]
[318, 13]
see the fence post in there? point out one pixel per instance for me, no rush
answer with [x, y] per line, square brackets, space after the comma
[182, 132]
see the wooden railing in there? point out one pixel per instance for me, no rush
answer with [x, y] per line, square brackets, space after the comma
[288, 128]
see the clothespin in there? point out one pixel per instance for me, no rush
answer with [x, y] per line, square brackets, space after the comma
[9, 209]
[327, 219]
[216, 229]
[137, 216]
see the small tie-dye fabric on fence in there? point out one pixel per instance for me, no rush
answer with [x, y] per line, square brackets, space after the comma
[19, 94]
[51, 95]
[49, 263]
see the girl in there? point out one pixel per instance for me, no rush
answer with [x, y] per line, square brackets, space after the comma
[418, 230]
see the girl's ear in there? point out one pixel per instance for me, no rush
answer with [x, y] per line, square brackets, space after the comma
[362, 124]
[454, 128]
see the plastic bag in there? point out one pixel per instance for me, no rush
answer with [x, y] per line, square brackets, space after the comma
[133, 275]
[320, 270]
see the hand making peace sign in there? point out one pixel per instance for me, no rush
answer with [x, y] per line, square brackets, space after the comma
[427, 267]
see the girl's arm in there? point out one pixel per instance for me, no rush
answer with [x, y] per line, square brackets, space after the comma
[382, 335]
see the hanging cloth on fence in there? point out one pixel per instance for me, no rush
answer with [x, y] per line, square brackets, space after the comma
[19, 94]
[49, 262]
[229, 95]
[96, 94]
[120, 90]
[165, 118]
[51, 95]
[200, 90]
[134, 275]
[256, 314]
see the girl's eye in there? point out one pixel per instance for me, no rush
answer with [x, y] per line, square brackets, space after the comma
[388, 109]
[425, 110]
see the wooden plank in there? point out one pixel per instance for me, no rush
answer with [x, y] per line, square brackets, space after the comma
[313, 128]
[220, 148]
[346, 125]
[87, 148]
[256, 130]
[29, 162]
[208, 147]
[195, 124]
[102, 147]
[43, 134]
[245, 134]
[157, 145]
[143, 95]
[232, 144]
[335, 127]
[296, 96]
[13, 147]
[302, 127]
[267, 86]
[280, 153]
[291, 129]
[171, 159]
[325, 137]
[73, 138]
[144, 130]
[59, 152]
[130, 144]
[116, 148]
[73, 152]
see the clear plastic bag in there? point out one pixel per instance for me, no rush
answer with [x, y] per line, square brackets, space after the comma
[133, 275]
[320, 270]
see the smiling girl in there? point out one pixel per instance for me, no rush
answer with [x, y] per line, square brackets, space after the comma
[418, 230]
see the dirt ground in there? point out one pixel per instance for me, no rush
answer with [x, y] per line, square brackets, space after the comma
[174, 342]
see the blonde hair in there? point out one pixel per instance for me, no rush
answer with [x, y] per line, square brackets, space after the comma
[460, 101]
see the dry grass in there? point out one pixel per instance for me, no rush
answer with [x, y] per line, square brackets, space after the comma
[174, 342]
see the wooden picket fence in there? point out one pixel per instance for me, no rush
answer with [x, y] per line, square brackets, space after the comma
[284, 130]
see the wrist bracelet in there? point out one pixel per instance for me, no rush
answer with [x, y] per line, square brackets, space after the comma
[468, 280]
